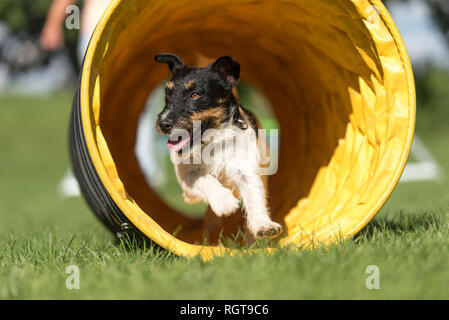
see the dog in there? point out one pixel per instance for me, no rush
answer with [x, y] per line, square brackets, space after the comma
[202, 105]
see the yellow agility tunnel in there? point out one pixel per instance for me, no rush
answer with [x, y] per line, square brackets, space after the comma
[337, 76]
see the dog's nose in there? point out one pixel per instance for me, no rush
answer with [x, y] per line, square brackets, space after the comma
[166, 125]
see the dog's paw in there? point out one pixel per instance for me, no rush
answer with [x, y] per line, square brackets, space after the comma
[223, 203]
[264, 229]
[190, 199]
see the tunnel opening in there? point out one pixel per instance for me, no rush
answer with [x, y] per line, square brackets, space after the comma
[343, 102]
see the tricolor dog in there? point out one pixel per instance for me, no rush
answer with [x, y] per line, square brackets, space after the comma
[214, 141]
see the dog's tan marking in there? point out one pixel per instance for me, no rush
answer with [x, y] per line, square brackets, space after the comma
[216, 114]
[244, 116]
[235, 93]
[246, 122]
[170, 85]
[189, 85]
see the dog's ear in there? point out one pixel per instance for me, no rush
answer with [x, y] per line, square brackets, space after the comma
[172, 60]
[228, 69]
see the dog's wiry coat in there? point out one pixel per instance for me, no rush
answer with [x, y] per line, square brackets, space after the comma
[229, 139]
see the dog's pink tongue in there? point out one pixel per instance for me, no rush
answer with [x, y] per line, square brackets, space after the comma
[177, 145]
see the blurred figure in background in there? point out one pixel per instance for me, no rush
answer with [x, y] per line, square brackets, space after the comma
[52, 39]
[52, 36]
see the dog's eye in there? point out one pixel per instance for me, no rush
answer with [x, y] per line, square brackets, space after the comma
[195, 95]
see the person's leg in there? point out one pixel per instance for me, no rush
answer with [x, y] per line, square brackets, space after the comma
[92, 11]
[83, 42]
[69, 186]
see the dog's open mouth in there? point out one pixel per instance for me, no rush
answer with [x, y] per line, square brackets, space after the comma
[176, 142]
[179, 138]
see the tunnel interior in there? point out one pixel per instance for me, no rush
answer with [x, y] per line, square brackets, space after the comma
[331, 70]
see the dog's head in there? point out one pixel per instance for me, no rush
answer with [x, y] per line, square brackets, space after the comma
[196, 94]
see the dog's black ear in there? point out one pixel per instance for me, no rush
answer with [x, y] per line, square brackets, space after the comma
[173, 61]
[228, 69]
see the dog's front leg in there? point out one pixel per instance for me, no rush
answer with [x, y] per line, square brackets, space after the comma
[207, 187]
[253, 193]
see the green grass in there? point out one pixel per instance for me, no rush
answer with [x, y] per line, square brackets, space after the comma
[43, 233]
